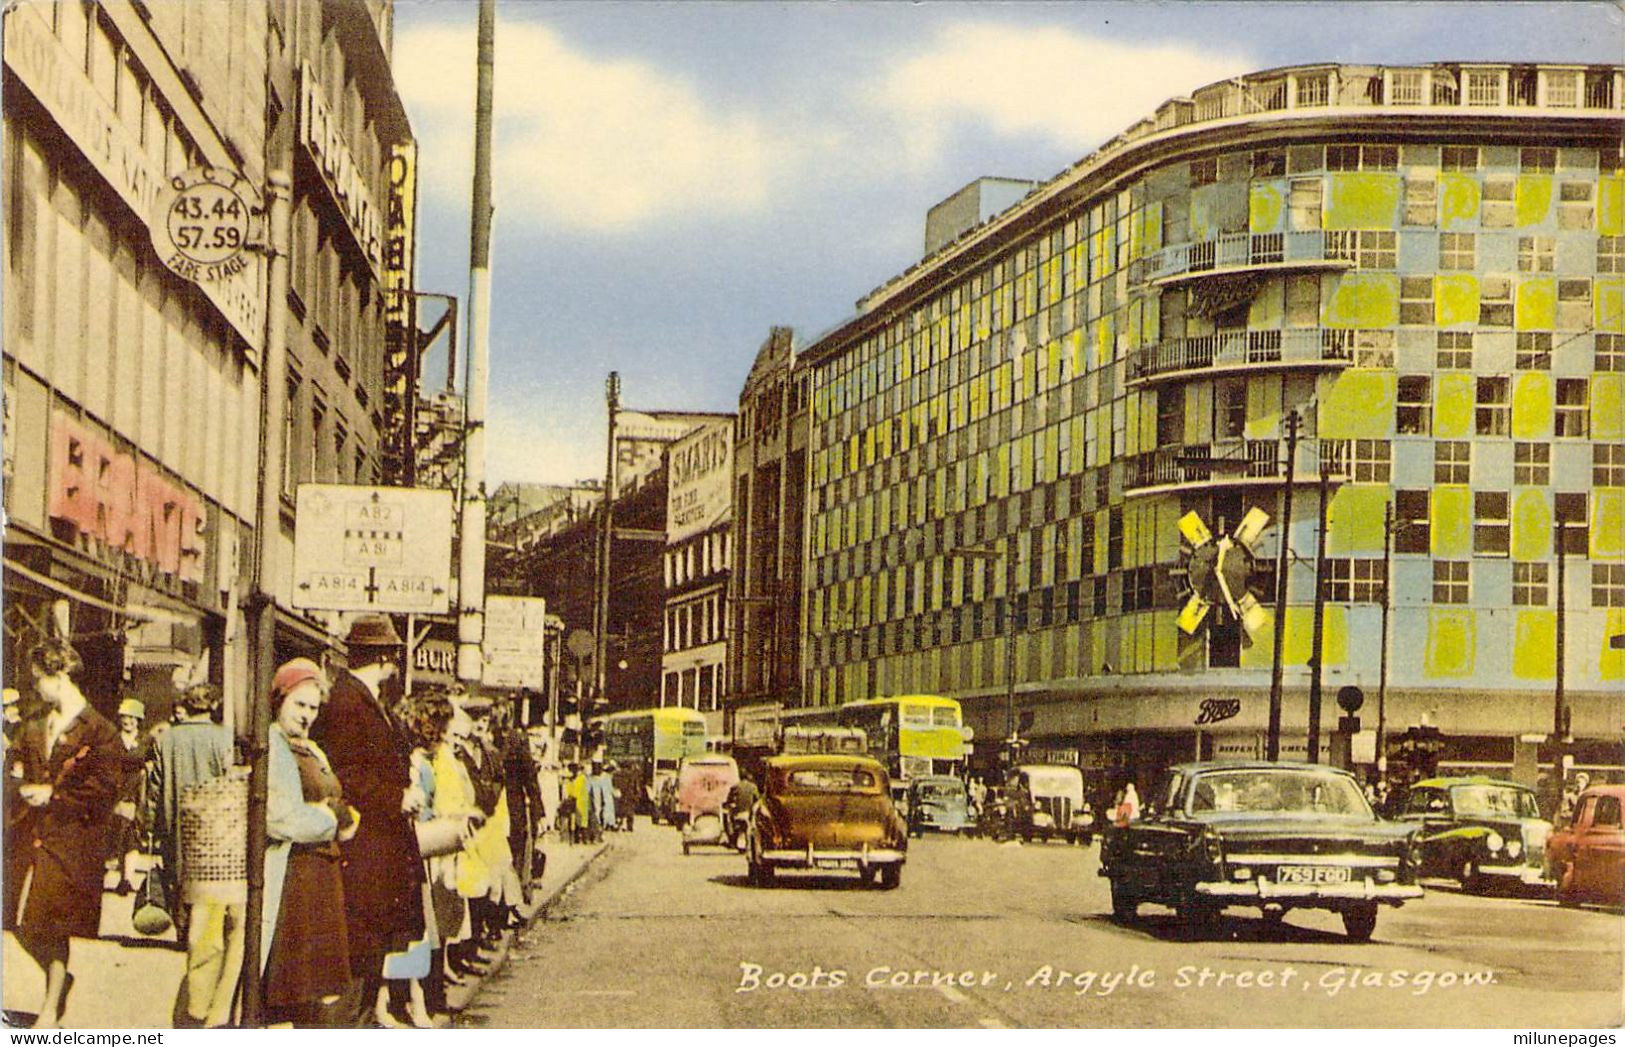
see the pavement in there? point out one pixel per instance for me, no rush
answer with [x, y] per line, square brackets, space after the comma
[983, 934]
[123, 980]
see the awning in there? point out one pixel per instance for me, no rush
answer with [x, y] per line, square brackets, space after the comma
[141, 611]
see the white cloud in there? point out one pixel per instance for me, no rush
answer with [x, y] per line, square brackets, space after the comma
[1045, 81]
[581, 143]
[527, 442]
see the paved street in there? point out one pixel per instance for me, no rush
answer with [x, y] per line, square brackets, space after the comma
[652, 938]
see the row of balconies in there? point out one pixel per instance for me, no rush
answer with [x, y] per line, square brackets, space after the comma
[1298, 249]
[1228, 350]
[1234, 463]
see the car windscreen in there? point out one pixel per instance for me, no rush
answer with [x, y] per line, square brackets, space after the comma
[1268, 791]
[941, 791]
[1494, 801]
[833, 780]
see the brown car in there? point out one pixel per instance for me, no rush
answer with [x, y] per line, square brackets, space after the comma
[1587, 856]
[827, 812]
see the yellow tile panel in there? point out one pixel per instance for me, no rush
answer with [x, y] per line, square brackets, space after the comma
[1606, 406]
[1531, 525]
[1607, 523]
[1453, 397]
[1611, 665]
[1265, 208]
[1534, 307]
[1363, 299]
[1354, 519]
[1452, 643]
[1610, 191]
[1458, 200]
[1361, 200]
[1534, 646]
[1455, 299]
[1532, 403]
[1533, 199]
[1452, 510]
[1357, 403]
[1608, 303]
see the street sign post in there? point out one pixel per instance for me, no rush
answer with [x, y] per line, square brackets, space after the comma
[372, 549]
[515, 645]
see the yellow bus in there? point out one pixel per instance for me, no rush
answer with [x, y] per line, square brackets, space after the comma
[912, 734]
[646, 746]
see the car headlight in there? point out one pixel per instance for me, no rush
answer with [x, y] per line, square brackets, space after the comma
[1040, 818]
[1413, 851]
[1241, 872]
[1514, 848]
[1494, 841]
[1210, 846]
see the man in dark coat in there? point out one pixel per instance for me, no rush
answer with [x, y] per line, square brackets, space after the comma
[383, 870]
[62, 779]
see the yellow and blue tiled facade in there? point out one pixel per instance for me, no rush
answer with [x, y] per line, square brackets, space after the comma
[1425, 264]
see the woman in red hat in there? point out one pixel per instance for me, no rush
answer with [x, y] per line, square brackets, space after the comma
[308, 964]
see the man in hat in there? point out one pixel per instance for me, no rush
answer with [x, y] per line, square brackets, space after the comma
[383, 871]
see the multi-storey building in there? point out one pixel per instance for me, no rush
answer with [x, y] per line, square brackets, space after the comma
[770, 482]
[1423, 263]
[132, 395]
[697, 564]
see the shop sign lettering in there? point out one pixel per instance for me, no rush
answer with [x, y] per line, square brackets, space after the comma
[116, 503]
[1217, 710]
[324, 137]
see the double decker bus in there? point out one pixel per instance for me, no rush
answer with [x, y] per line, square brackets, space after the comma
[912, 734]
[646, 745]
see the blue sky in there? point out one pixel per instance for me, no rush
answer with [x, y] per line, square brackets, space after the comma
[672, 179]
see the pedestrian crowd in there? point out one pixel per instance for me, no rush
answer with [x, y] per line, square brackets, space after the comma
[402, 835]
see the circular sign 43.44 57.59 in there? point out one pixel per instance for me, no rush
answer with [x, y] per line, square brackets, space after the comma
[208, 219]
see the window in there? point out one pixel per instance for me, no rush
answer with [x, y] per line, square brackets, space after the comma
[1572, 407]
[1138, 589]
[1458, 250]
[1531, 464]
[1366, 248]
[1496, 209]
[1493, 413]
[1573, 510]
[1458, 158]
[318, 418]
[1452, 462]
[1574, 305]
[1608, 465]
[1492, 523]
[1413, 411]
[1412, 528]
[1562, 88]
[1538, 161]
[1454, 351]
[1269, 163]
[289, 414]
[1354, 581]
[1303, 203]
[1536, 254]
[1314, 89]
[1372, 459]
[1416, 300]
[1608, 585]
[1421, 200]
[1451, 581]
[1534, 351]
[1342, 158]
[1574, 205]
[1204, 172]
[1114, 539]
[1611, 254]
[1529, 584]
[1483, 87]
[1495, 302]
[1405, 87]
[1610, 352]
[1303, 300]
[1230, 417]
[1098, 598]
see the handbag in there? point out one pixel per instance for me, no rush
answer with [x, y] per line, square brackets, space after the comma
[440, 836]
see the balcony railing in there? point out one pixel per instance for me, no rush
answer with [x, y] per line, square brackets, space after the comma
[1240, 349]
[1231, 461]
[1235, 251]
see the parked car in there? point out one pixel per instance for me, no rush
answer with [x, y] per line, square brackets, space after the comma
[827, 812]
[938, 802]
[1586, 858]
[1479, 831]
[1277, 836]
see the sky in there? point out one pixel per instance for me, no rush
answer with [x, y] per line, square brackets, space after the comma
[673, 179]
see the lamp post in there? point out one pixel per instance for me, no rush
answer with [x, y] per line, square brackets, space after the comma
[1282, 565]
[1009, 630]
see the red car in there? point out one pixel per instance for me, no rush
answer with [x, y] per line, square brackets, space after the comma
[1587, 856]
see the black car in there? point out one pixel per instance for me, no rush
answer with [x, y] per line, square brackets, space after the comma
[1275, 836]
[1479, 831]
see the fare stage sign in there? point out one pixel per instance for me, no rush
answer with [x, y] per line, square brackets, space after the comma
[515, 645]
[359, 548]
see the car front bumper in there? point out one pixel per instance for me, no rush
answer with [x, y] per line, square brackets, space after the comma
[1533, 875]
[1264, 890]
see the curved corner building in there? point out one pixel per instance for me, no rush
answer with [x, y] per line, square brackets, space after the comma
[1423, 264]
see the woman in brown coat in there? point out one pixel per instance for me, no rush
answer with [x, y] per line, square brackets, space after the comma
[62, 780]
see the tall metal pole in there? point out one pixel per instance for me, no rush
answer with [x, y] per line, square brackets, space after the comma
[1282, 563]
[612, 399]
[1317, 641]
[1560, 713]
[262, 603]
[471, 558]
[1382, 656]
[1010, 648]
